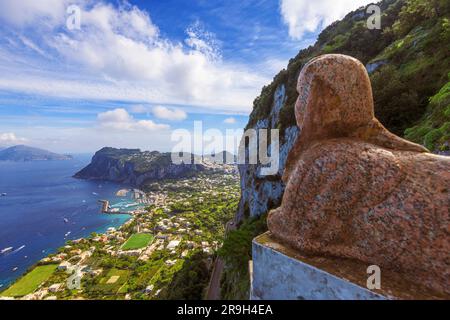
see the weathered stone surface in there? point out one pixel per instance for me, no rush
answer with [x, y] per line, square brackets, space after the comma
[355, 190]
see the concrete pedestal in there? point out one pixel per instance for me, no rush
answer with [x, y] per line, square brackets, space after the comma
[281, 274]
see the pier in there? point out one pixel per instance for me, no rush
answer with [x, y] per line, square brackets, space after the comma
[107, 210]
[105, 205]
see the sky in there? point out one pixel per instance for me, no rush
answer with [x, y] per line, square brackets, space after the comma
[78, 75]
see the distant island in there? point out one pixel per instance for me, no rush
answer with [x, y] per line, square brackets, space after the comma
[26, 153]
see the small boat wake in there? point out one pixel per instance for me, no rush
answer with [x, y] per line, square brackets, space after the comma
[18, 249]
[10, 250]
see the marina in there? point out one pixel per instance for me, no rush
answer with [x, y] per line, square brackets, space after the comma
[137, 199]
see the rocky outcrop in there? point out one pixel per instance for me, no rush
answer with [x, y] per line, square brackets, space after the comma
[260, 193]
[355, 190]
[133, 167]
[374, 66]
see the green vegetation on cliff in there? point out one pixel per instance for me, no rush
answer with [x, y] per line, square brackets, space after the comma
[135, 167]
[236, 251]
[408, 58]
[433, 131]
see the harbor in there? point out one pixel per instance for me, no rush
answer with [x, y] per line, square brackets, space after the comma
[108, 210]
[137, 199]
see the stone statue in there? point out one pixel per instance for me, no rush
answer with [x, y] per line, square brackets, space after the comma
[355, 190]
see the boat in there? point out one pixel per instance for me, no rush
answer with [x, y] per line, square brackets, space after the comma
[15, 268]
[4, 194]
[6, 250]
[66, 220]
[67, 234]
[95, 193]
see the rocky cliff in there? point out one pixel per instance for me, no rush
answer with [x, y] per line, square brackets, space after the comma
[408, 62]
[260, 193]
[131, 166]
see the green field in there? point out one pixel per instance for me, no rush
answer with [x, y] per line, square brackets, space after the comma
[30, 282]
[137, 241]
[112, 282]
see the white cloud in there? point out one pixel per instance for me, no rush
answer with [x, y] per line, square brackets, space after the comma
[10, 139]
[120, 119]
[174, 114]
[139, 108]
[203, 41]
[26, 12]
[229, 120]
[31, 45]
[120, 54]
[303, 16]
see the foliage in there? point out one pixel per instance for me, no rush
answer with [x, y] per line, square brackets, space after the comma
[190, 281]
[236, 252]
[433, 130]
[110, 283]
[416, 11]
[413, 46]
[398, 105]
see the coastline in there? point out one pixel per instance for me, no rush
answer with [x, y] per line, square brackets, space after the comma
[48, 207]
[101, 231]
[169, 231]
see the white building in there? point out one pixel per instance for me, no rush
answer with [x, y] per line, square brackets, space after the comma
[173, 244]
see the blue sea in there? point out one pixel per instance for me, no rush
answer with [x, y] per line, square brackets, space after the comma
[44, 207]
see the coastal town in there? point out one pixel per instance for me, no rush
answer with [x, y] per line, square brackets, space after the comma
[165, 250]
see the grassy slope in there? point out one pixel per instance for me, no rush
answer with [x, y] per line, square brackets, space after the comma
[30, 282]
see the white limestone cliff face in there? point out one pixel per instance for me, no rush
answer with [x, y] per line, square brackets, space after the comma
[261, 193]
